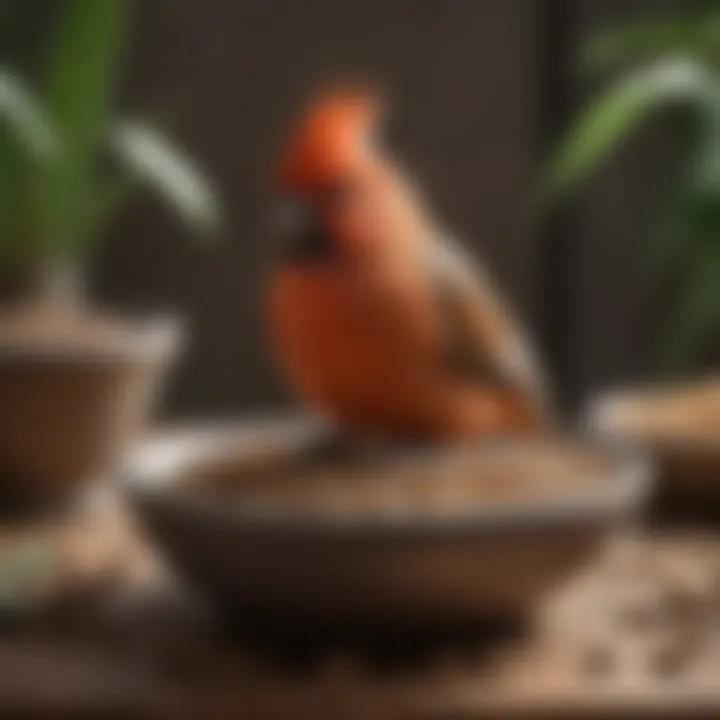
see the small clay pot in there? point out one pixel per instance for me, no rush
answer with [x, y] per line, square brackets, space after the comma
[75, 389]
[687, 459]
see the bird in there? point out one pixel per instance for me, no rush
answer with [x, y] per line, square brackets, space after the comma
[379, 318]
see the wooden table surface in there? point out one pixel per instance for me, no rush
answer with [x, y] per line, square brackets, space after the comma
[95, 625]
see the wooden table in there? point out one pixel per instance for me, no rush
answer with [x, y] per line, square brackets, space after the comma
[108, 632]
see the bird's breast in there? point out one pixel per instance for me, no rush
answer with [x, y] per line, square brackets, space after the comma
[342, 337]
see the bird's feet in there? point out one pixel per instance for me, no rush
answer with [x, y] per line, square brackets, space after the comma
[337, 446]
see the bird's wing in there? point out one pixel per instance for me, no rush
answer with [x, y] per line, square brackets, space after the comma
[484, 340]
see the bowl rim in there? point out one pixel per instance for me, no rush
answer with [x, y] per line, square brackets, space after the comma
[152, 468]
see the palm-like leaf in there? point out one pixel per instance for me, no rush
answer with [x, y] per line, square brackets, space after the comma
[150, 159]
[692, 216]
[6, 8]
[60, 206]
[81, 69]
[27, 145]
[697, 316]
[638, 43]
[675, 63]
[24, 120]
[608, 120]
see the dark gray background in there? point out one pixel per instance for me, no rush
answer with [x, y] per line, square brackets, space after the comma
[479, 86]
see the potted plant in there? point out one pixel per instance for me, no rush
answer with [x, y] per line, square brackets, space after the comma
[657, 64]
[666, 62]
[75, 382]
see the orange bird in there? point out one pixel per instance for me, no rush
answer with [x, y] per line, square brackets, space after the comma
[379, 319]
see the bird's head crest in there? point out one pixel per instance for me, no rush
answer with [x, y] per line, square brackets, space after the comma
[332, 138]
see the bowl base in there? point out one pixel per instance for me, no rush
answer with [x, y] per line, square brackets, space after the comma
[395, 643]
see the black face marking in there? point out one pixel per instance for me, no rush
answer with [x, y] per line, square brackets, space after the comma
[311, 245]
[301, 232]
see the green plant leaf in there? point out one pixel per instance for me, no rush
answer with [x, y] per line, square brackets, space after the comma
[701, 6]
[107, 200]
[692, 36]
[13, 180]
[152, 160]
[609, 119]
[667, 241]
[704, 171]
[26, 121]
[6, 8]
[692, 217]
[81, 70]
[23, 569]
[697, 316]
[28, 146]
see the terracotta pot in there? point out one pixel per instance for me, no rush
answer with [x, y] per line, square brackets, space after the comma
[678, 425]
[74, 390]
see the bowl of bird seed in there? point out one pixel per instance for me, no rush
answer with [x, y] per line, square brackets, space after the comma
[265, 524]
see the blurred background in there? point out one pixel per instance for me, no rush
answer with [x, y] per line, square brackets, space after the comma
[482, 90]
[572, 145]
